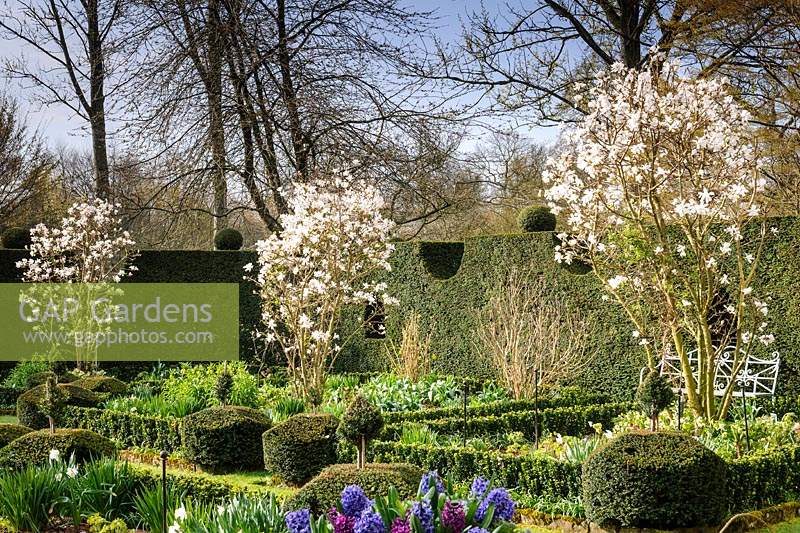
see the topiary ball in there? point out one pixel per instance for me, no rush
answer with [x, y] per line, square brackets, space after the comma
[228, 239]
[34, 448]
[225, 437]
[29, 413]
[655, 480]
[10, 432]
[654, 394]
[536, 219]
[361, 418]
[16, 238]
[299, 448]
[324, 491]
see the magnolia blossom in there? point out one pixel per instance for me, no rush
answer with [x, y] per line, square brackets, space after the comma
[658, 189]
[89, 246]
[333, 243]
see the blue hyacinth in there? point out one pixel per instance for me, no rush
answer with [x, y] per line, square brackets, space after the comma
[503, 505]
[479, 487]
[354, 501]
[422, 510]
[430, 479]
[369, 522]
[299, 521]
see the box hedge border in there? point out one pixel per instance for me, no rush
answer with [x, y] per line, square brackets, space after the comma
[128, 429]
[574, 420]
[757, 481]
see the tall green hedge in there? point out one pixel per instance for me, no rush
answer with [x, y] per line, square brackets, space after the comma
[446, 283]
[425, 279]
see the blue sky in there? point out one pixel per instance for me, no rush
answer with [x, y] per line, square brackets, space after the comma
[61, 128]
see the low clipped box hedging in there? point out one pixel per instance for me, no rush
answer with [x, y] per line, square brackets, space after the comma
[324, 491]
[103, 384]
[225, 437]
[34, 448]
[28, 411]
[655, 480]
[128, 429]
[10, 432]
[299, 448]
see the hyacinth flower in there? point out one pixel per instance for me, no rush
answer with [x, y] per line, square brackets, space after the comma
[431, 480]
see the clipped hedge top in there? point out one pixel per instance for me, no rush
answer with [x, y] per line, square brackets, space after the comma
[304, 428]
[223, 417]
[9, 432]
[75, 395]
[105, 384]
[653, 451]
[34, 447]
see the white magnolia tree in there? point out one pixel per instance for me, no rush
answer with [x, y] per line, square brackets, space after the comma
[659, 191]
[327, 257]
[90, 252]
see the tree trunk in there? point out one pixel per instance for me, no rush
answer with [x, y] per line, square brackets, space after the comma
[216, 126]
[97, 111]
[362, 452]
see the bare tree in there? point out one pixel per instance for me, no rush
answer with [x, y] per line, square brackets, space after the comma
[77, 42]
[24, 167]
[528, 334]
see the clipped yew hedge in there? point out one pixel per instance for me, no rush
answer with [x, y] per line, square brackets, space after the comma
[34, 448]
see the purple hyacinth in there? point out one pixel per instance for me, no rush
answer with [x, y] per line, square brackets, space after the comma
[503, 506]
[299, 521]
[430, 479]
[401, 525]
[453, 517]
[369, 522]
[479, 487]
[354, 501]
[341, 522]
[422, 510]
[476, 530]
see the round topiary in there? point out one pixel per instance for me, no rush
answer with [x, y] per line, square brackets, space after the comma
[9, 432]
[655, 480]
[34, 448]
[360, 423]
[324, 491]
[16, 238]
[39, 378]
[654, 395]
[225, 437]
[30, 415]
[536, 219]
[299, 448]
[105, 384]
[228, 239]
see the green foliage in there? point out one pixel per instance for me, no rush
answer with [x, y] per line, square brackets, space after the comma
[418, 433]
[104, 384]
[196, 383]
[98, 524]
[34, 448]
[564, 420]
[16, 238]
[9, 432]
[29, 410]
[222, 388]
[20, 376]
[225, 437]
[654, 394]
[655, 480]
[40, 378]
[441, 259]
[27, 495]
[360, 420]
[228, 239]
[149, 504]
[300, 447]
[531, 474]
[536, 219]
[245, 514]
[764, 478]
[53, 400]
[324, 491]
[103, 488]
[128, 429]
[392, 393]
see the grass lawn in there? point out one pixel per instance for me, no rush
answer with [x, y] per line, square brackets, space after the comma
[785, 527]
[256, 480]
[8, 419]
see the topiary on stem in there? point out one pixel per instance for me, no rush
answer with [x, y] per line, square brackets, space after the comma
[223, 386]
[53, 401]
[653, 396]
[361, 422]
[228, 239]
